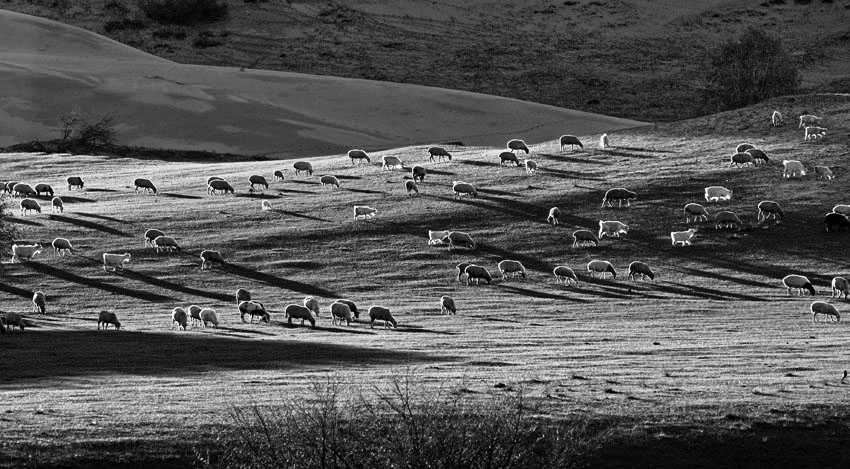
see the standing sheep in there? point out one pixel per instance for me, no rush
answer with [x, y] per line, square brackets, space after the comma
[619, 194]
[836, 221]
[390, 162]
[462, 189]
[208, 257]
[359, 156]
[106, 318]
[793, 168]
[265, 206]
[697, 211]
[411, 187]
[840, 286]
[823, 172]
[514, 268]
[257, 180]
[507, 157]
[58, 205]
[554, 216]
[219, 185]
[601, 267]
[25, 251]
[808, 119]
[447, 305]
[364, 211]
[48, 191]
[565, 275]
[612, 228]
[253, 308]
[14, 319]
[570, 140]
[799, 283]
[278, 175]
[165, 243]
[351, 305]
[379, 313]
[24, 190]
[758, 155]
[28, 205]
[530, 166]
[603, 141]
[195, 314]
[717, 193]
[581, 237]
[727, 219]
[39, 302]
[776, 119]
[516, 144]
[75, 181]
[60, 246]
[826, 309]
[115, 261]
[299, 312]
[179, 317]
[151, 235]
[477, 272]
[683, 237]
[208, 315]
[739, 159]
[144, 184]
[303, 166]
[329, 181]
[339, 312]
[769, 208]
[242, 295]
[640, 268]
[439, 152]
[459, 238]
[461, 269]
[312, 304]
[418, 173]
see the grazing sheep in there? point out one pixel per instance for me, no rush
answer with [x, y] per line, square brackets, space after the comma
[179, 317]
[447, 305]
[514, 268]
[717, 193]
[601, 267]
[411, 187]
[565, 275]
[826, 309]
[106, 318]
[8, 187]
[151, 235]
[462, 189]
[739, 159]
[619, 194]
[823, 172]
[799, 283]
[144, 184]
[208, 257]
[165, 243]
[439, 152]
[379, 313]
[219, 185]
[461, 269]
[39, 188]
[389, 162]
[208, 315]
[640, 268]
[517, 144]
[612, 228]
[580, 237]
[364, 212]
[697, 211]
[359, 155]
[758, 155]
[769, 208]
[214, 178]
[328, 180]
[418, 172]
[278, 175]
[195, 314]
[530, 166]
[265, 206]
[477, 272]
[312, 304]
[814, 133]
[60, 246]
[25, 251]
[303, 166]
[242, 295]
[840, 285]
[808, 119]
[836, 221]
[253, 308]
[23, 190]
[340, 312]
[299, 312]
[842, 209]
[75, 181]
[506, 157]
[570, 140]
[683, 237]
[554, 216]
[603, 141]
[257, 180]
[115, 261]
[58, 205]
[14, 319]
[39, 302]
[744, 147]
[456, 238]
[351, 305]
[436, 237]
[28, 205]
[776, 119]
[727, 219]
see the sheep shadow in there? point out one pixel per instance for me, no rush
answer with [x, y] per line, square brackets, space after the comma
[479, 163]
[440, 172]
[295, 191]
[364, 191]
[173, 195]
[17, 291]
[100, 217]
[570, 159]
[90, 225]
[256, 195]
[21, 221]
[419, 330]
[348, 178]
[165, 284]
[76, 200]
[98, 284]
[100, 190]
[538, 294]
[301, 215]
[645, 150]
[309, 183]
[564, 174]
[279, 282]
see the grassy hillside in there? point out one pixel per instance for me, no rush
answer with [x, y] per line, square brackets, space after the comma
[714, 336]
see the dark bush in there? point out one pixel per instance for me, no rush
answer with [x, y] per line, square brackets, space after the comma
[206, 39]
[84, 132]
[184, 12]
[169, 33]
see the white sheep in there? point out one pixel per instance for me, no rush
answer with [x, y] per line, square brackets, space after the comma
[447, 305]
[75, 181]
[339, 312]
[477, 272]
[814, 132]
[842, 209]
[462, 189]
[278, 175]
[329, 181]
[823, 172]
[570, 140]
[554, 216]
[14, 319]
[151, 235]
[39, 302]
[603, 141]
[601, 267]
[418, 174]
[208, 315]
[697, 211]
[776, 119]
[380, 313]
[165, 243]
[439, 152]
[717, 193]
[411, 187]
[808, 119]
[769, 208]
[581, 237]
[640, 268]
[826, 309]
[265, 206]
[359, 155]
[459, 238]
[253, 308]
[179, 317]
[461, 269]
[106, 318]
[208, 257]
[507, 157]
[144, 184]
[390, 162]
[799, 283]
[299, 312]
[619, 194]
[25, 251]
[351, 305]
[744, 147]
[195, 314]
[60, 246]
[517, 144]
[565, 275]
[364, 211]
[435, 238]
[28, 205]
[219, 185]
[612, 228]
[257, 180]
[530, 166]
[312, 304]
[303, 166]
[115, 261]
[514, 268]
[739, 159]
[840, 285]
[683, 237]
[793, 168]
[727, 219]
[58, 205]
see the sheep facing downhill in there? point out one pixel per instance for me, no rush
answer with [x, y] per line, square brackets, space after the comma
[380, 313]
[697, 211]
[799, 283]
[717, 193]
[329, 181]
[640, 268]
[357, 156]
[570, 140]
[516, 144]
[339, 312]
[603, 141]
[463, 189]
[195, 314]
[769, 208]
[115, 261]
[511, 268]
[411, 188]
[477, 272]
[825, 309]
[351, 305]
[144, 184]
[612, 228]
[22, 252]
[440, 153]
[418, 174]
[793, 168]
[823, 172]
[61, 246]
[58, 205]
[447, 305]
[554, 216]
[727, 219]
[840, 286]
[565, 275]
[39, 302]
[682, 237]
[106, 318]
[253, 308]
[582, 237]
[507, 157]
[601, 267]
[180, 318]
[293, 311]
[619, 194]
[208, 257]
[364, 212]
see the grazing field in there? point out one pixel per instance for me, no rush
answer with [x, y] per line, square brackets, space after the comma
[713, 345]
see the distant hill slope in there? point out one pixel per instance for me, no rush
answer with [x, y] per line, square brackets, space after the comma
[48, 69]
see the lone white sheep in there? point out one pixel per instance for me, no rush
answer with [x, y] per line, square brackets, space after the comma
[144, 184]
[793, 168]
[28, 205]
[619, 194]
[683, 237]
[364, 212]
[303, 166]
[727, 219]
[411, 187]
[554, 216]
[776, 119]
[459, 238]
[208, 257]
[39, 302]
[477, 272]
[379, 313]
[106, 318]
[359, 156]
[511, 268]
[179, 317]
[582, 237]
[60, 246]
[253, 308]
[25, 251]
[799, 283]
[570, 140]
[640, 268]
[447, 305]
[769, 208]
[440, 153]
[840, 286]
[390, 162]
[717, 193]
[58, 205]
[697, 211]
[517, 144]
[299, 312]
[115, 261]
[823, 172]
[565, 275]
[462, 189]
[339, 312]
[825, 309]
[208, 316]
[612, 228]
[601, 267]
[329, 181]
[418, 174]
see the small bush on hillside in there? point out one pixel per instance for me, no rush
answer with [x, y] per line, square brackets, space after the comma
[184, 11]
[747, 70]
[80, 132]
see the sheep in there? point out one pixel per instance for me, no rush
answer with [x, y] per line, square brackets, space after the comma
[554, 216]
[477, 273]
[208, 257]
[389, 162]
[683, 237]
[299, 312]
[814, 132]
[265, 206]
[697, 211]
[823, 172]
[328, 181]
[253, 308]
[603, 141]
[530, 166]
[717, 193]
[439, 152]
[351, 305]
[179, 317]
[758, 155]
[799, 283]
[14, 319]
[514, 268]
[8, 187]
[28, 205]
[516, 145]
[739, 159]
[303, 166]
[115, 261]
[580, 237]
[570, 140]
[39, 188]
[601, 267]
[418, 172]
[340, 312]
[214, 178]
[219, 185]
[144, 184]
[364, 211]
[278, 175]
[22, 189]
[208, 315]
[25, 251]
[462, 189]
[456, 238]
[359, 155]
[461, 269]
[506, 157]
[39, 302]
[744, 147]
[58, 205]
[840, 285]
[727, 219]
[808, 119]
[826, 309]
[769, 208]
[195, 314]
[436, 237]
[842, 209]
[640, 268]
[312, 304]
[242, 295]
[151, 235]
[60, 245]
[612, 228]
[447, 305]
[565, 275]
[619, 194]
[75, 181]
[776, 119]
[106, 318]
[257, 180]
[411, 187]
[165, 243]
[836, 221]
[379, 313]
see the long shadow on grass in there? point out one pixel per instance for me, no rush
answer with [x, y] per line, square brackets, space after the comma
[76, 200]
[94, 283]
[11, 289]
[275, 281]
[256, 195]
[570, 159]
[100, 190]
[101, 217]
[91, 225]
[364, 191]
[539, 294]
[301, 215]
[136, 353]
[172, 195]
[22, 221]
[175, 286]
